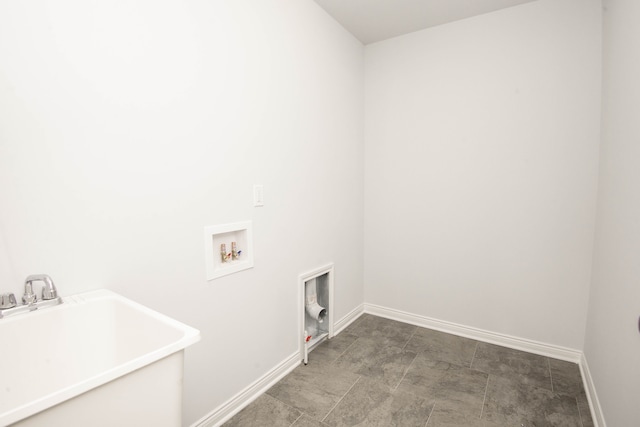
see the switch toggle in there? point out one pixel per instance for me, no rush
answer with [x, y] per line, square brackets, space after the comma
[258, 195]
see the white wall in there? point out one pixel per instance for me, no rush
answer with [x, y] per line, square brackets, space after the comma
[6, 272]
[128, 126]
[612, 344]
[481, 170]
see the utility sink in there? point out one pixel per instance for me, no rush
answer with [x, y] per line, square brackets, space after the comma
[97, 359]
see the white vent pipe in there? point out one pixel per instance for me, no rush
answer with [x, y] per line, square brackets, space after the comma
[315, 310]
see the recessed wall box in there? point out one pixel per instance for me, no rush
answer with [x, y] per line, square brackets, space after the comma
[227, 237]
[316, 288]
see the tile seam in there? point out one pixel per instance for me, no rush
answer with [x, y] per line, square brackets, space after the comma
[410, 338]
[484, 398]
[340, 400]
[296, 420]
[474, 355]
[345, 350]
[286, 404]
[430, 413]
[405, 372]
[579, 412]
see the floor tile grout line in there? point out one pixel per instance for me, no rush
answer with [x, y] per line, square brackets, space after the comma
[409, 340]
[474, 354]
[345, 350]
[430, 413]
[405, 372]
[484, 398]
[340, 400]
[296, 420]
[550, 374]
[285, 404]
[579, 412]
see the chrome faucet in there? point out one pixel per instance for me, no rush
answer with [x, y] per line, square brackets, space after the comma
[30, 302]
[49, 290]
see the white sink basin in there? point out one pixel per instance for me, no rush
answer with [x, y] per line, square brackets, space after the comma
[55, 354]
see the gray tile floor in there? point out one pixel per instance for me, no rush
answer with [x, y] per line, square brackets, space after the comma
[380, 372]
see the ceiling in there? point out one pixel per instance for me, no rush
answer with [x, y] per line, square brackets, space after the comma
[374, 20]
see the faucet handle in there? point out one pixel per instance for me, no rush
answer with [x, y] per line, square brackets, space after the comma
[7, 301]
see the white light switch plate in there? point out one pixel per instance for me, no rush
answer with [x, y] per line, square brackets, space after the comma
[258, 195]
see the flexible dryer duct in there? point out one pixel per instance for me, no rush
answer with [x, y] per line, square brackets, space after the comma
[315, 310]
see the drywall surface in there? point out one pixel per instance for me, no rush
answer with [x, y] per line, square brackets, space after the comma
[481, 162]
[6, 272]
[612, 343]
[128, 126]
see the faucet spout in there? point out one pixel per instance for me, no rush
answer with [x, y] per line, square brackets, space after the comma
[49, 290]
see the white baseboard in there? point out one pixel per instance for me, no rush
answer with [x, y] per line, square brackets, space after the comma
[556, 352]
[234, 405]
[548, 350]
[592, 396]
[348, 319]
[224, 412]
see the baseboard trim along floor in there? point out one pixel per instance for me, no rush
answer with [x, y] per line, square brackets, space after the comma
[530, 346]
[348, 319]
[556, 352]
[592, 396]
[234, 405]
